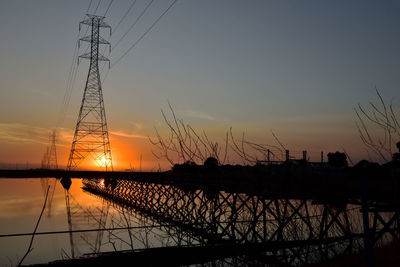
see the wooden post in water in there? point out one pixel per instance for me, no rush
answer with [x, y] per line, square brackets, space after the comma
[365, 215]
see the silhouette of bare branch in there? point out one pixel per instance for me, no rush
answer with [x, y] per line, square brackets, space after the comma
[378, 127]
[185, 144]
[34, 231]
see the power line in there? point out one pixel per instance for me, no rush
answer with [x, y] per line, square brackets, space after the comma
[140, 38]
[98, 4]
[90, 4]
[115, 29]
[88, 230]
[109, 5]
[124, 16]
[144, 34]
[132, 227]
[73, 71]
[75, 56]
[63, 107]
[133, 24]
[71, 77]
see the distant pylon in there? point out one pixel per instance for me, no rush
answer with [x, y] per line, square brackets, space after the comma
[91, 133]
[49, 160]
[52, 161]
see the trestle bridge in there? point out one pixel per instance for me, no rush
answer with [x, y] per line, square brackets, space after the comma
[282, 217]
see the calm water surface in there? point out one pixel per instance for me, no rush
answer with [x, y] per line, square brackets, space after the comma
[21, 201]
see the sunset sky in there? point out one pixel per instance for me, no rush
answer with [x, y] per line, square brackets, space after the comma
[298, 68]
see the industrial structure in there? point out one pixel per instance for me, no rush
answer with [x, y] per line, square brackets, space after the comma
[91, 138]
[49, 160]
[91, 134]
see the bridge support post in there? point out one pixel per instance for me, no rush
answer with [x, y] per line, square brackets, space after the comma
[365, 215]
[305, 155]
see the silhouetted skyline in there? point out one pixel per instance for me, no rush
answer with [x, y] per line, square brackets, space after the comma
[298, 68]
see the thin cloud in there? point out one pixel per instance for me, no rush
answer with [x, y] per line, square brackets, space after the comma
[198, 115]
[22, 133]
[128, 135]
[64, 137]
[138, 126]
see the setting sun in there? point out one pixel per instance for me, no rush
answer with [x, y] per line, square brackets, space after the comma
[103, 162]
[221, 133]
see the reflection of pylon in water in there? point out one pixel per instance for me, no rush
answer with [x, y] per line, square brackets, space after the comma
[50, 162]
[84, 217]
[46, 182]
[69, 223]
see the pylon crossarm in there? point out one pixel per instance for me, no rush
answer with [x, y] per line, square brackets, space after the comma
[88, 56]
[89, 39]
[100, 23]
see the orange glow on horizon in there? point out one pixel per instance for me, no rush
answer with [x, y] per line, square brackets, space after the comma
[133, 154]
[127, 154]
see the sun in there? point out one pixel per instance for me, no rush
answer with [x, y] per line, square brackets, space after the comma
[103, 162]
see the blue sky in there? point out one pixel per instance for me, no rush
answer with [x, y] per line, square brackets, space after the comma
[297, 67]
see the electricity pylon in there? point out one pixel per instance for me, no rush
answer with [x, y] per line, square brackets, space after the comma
[49, 160]
[52, 160]
[91, 133]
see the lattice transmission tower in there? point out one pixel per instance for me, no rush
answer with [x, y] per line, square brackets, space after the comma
[49, 160]
[91, 133]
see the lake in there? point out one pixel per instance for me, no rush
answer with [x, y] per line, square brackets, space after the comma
[96, 216]
[21, 201]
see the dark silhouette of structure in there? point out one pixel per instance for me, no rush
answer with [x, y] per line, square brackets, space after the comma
[337, 159]
[91, 133]
[211, 162]
[282, 231]
[396, 155]
[49, 160]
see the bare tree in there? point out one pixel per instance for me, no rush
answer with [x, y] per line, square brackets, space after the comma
[252, 153]
[378, 127]
[184, 144]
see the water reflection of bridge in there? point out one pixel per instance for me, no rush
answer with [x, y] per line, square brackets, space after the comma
[274, 230]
